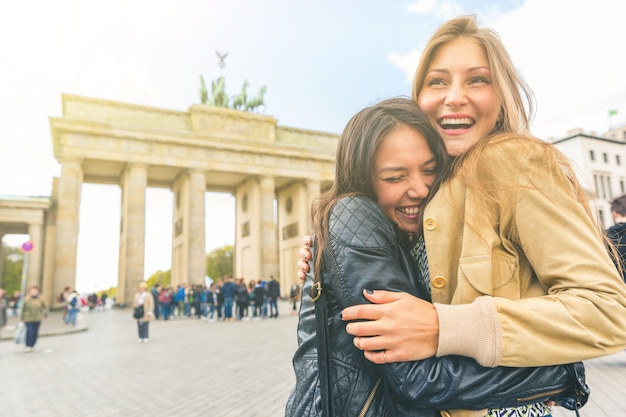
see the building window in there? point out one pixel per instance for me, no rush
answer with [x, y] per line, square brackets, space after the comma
[595, 184]
[605, 156]
[592, 155]
[618, 160]
[601, 213]
[621, 186]
[602, 190]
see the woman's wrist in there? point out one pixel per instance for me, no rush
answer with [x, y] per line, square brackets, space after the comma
[471, 330]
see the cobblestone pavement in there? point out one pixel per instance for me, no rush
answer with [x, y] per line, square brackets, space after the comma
[190, 367]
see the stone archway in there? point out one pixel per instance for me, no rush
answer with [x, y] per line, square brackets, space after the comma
[204, 149]
[27, 216]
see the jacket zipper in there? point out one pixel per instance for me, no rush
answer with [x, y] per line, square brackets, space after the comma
[541, 395]
[370, 398]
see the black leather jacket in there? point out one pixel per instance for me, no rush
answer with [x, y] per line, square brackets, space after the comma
[363, 253]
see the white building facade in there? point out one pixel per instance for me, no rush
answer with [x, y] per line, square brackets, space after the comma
[600, 163]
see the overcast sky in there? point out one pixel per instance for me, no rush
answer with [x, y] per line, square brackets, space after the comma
[321, 61]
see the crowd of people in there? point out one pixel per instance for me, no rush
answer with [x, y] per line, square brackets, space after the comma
[226, 300]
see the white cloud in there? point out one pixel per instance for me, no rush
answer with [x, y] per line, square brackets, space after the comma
[573, 64]
[446, 9]
[421, 6]
[406, 62]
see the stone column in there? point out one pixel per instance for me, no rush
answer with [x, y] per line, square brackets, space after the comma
[269, 242]
[67, 210]
[133, 232]
[49, 249]
[35, 257]
[1, 255]
[196, 235]
[312, 192]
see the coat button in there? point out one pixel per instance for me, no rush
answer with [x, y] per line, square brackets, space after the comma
[438, 282]
[430, 223]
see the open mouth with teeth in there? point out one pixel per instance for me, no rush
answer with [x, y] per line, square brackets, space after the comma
[409, 211]
[460, 123]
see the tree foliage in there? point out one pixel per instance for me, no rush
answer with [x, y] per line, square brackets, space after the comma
[160, 278]
[219, 262]
[12, 272]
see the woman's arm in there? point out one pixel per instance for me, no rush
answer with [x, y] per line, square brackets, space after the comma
[559, 251]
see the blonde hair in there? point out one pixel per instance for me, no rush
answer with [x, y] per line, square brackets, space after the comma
[516, 113]
[518, 101]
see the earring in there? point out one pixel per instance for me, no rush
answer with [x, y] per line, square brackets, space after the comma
[500, 121]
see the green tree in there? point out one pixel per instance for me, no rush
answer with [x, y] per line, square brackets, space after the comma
[160, 278]
[219, 262]
[12, 274]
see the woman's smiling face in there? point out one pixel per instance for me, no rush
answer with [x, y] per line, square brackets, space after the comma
[404, 170]
[459, 96]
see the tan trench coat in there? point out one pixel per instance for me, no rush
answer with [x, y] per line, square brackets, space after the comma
[546, 289]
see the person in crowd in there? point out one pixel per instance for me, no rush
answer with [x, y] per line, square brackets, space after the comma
[294, 296]
[92, 301]
[72, 301]
[219, 299]
[4, 304]
[389, 157]
[179, 301]
[617, 232]
[62, 299]
[273, 293]
[251, 286]
[14, 302]
[32, 312]
[103, 299]
[210, 301]
[503, 294]
[156, 291]
[242, 299]
[197, 300]
[229, 289]
[260, 295]
[165, 302]
[189, 300]
[204, 305]
[143, 300]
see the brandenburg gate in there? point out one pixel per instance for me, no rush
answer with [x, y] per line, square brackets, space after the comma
[274, 173]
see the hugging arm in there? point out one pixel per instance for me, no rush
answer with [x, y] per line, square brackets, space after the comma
[368, 256]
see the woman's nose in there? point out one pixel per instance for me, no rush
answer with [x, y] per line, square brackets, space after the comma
[455, 96]
[418, 189]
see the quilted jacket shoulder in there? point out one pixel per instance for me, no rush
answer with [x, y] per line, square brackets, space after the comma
[359, 222]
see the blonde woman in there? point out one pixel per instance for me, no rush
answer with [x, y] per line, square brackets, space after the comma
[517, 265]
[143, 306]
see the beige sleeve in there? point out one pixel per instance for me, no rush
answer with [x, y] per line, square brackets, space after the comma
[471, 330]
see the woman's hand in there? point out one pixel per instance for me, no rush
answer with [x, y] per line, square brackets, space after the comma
[398, 327]
[305, 257]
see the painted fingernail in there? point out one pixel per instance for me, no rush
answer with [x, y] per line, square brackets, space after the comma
[370, 292]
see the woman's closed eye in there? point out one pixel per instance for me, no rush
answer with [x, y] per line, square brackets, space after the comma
[393, 179]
